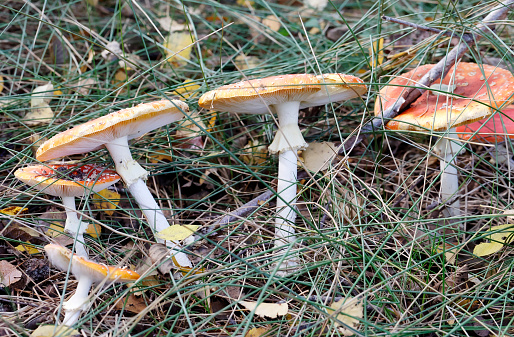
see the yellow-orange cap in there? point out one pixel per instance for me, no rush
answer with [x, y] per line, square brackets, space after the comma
[67, 180]
[335, 87]
[254, 96]
[60, 257]
[131, 122]
[484, 87]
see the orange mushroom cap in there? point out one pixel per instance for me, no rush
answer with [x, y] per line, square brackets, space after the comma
[60, 257]
[131, 122]
[484, 88]
[497, 129]
[67, 180]
[254, 96]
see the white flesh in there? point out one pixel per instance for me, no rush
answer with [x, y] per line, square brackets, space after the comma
[78, 302]
[287, 141]
[134, 175]
[448, 149]
[74, 226]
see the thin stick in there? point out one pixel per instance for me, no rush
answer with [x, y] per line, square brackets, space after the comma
[440, 70]
[241, 212]
[420, 27]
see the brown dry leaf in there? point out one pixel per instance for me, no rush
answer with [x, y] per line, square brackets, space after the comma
[14, 210]
[271, 310]
[271, 22]
[131, 303]
[254, 153]
[159, 156]
[84, 86]
[36, 141]
[244, 62]
[449, 252]
[109, 205]
[257, 332]
[119, 78]
[151, 278]
[9, 274]
[318, 156]
[178, 46]
[52, 330]
[192, 131]
[348, 311]
[40, 112]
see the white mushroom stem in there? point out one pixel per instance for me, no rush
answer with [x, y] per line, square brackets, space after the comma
[448, 147]
[74, 226]
[134, 175]
[78, 302]
[287, 142]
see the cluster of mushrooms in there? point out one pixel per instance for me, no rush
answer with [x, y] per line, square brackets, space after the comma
[476, 92]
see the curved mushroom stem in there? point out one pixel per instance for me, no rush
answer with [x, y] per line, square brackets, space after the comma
[287, 141]
[78, 302]
[74, 226]
[448, 148]
[134, 175]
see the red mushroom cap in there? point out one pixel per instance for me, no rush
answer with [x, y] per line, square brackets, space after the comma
[497, 129]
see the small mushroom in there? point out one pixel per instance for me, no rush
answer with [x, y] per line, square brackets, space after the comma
[114, 131]
[477, 91]
[496, 130]
[283, 95]
[69, 181]
[86, 272]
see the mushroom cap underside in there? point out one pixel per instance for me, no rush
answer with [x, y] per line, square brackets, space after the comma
[477, 91]
[254, 96]
[67, 180]
[335, 87]
[132, 122]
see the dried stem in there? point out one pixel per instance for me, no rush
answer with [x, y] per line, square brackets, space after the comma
[420, 27]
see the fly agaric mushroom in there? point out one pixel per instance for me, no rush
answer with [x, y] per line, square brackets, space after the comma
[69, 181]
[477, 90]
[87, 272]
[495, 130]
[282, 95]
[114, 131]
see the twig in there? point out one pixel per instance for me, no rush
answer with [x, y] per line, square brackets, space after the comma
[421, 27]
[440, 70]
[242, 211]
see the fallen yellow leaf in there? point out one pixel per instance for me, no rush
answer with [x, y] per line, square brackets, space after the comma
[347, 311]
[27, 248]
[271, 310]
[14, 210]
[504, 235]
[257, 332]
[159, 156]
[1, 83]
[177, 232]
[178, 46]
[109, 205]
[254, 153]
[188, 89]
[52, 330]
[94, 229]
[376, 52]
